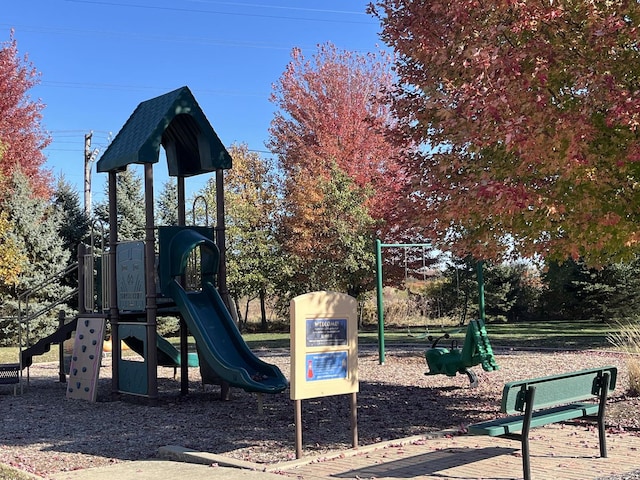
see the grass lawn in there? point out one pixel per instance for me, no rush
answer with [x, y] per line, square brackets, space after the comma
[8, 473]
[554, 335]
[560, 334]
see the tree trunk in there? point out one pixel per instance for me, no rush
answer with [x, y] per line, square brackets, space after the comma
[242, 322]
[263, 310]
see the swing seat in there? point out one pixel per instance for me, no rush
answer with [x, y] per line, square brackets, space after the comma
[475, 351]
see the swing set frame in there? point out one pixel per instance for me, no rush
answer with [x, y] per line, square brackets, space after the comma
[379, 289]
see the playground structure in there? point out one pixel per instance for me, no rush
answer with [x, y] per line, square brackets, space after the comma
[136, 286]
[476, 349]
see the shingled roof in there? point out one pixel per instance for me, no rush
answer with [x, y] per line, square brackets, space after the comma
[175, 121]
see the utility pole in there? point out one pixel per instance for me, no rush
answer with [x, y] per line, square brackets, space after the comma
[89, 157]
[87, 173]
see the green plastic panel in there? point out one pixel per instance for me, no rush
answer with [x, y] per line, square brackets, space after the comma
[130, 279]
[176, 243]
[132, 375]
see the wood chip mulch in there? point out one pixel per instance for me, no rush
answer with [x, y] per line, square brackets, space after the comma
[43, 432]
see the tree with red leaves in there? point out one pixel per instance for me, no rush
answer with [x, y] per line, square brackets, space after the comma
[22, 138]
[527, 115]
[332, 110]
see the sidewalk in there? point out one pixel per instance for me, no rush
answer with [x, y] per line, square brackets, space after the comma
[557, 452]
[163, 470]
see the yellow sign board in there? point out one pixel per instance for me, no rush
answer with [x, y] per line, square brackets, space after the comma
[324, 345]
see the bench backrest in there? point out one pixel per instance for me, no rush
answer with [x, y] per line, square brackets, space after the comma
[557, 389]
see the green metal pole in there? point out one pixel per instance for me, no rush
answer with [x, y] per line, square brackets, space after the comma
[480, 290]
[380, 302]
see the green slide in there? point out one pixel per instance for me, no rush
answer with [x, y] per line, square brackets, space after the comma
[220, 344]
[168, 355]
[221, 348]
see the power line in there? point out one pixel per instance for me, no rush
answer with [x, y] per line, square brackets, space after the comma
[172, 39]
[114, 86]
[216, 12]
[281, 7]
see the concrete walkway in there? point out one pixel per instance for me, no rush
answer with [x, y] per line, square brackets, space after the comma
[558, 452]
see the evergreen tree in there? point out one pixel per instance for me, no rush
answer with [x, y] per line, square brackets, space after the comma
[130, 206]
[510, 293]
[167, 204]
[459, 291]
[576, 291]
[74, 226]
[558, 298]
[36, 226]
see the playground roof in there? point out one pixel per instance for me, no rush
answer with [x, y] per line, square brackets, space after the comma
[175, 121]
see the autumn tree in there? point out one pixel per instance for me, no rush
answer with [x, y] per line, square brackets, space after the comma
[21, 133]
[12, 260]
[252, 202]
[326, 234]
[331, 110]
[527, 116]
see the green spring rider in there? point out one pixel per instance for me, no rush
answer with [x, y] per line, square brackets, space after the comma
[475, 351]
[451, 361]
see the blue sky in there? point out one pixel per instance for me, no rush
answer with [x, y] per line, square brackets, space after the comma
[100, 59]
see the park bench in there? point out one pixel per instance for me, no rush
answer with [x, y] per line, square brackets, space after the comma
[542, 401]
[10, 375]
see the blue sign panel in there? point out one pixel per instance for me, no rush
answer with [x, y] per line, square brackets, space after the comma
[325, 332]
[326, 366]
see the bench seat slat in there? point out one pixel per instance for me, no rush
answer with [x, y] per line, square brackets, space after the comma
[513, 424]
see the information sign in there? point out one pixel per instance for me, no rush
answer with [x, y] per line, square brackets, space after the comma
[324, 345]
[326, 366]
[323, 332]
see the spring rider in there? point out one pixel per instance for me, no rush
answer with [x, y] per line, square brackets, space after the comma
[451, 361]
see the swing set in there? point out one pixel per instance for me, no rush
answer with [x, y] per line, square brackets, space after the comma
[476, 349]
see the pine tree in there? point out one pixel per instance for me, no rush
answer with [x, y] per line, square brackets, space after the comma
[36, 226]
[75, 224]
[130, 208]
[167, 204]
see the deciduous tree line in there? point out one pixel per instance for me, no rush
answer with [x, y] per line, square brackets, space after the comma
[496, 130]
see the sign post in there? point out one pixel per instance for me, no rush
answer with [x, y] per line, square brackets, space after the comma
[324, 352]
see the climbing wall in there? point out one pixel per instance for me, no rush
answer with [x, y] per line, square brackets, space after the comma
[85, 361]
